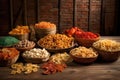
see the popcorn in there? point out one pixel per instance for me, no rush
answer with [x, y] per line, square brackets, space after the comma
[37, 53]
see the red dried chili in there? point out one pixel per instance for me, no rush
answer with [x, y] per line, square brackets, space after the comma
[86, 35]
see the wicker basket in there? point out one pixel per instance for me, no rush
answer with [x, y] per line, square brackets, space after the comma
[107, 56]
[84, 60]
[86, 42]
[41, 32]
[9, 61]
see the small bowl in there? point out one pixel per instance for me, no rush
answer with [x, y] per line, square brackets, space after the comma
[25, 49]
[36, 55]
[82, 60]
[86, 42]
[35, 60]
[107, 56]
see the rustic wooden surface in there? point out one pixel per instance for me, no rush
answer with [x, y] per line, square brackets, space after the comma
[74, 71]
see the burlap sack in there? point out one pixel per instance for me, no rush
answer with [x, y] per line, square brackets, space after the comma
[41, 32]
[22, 36]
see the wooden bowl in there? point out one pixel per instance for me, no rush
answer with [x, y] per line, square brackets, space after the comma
[25, 49]
[86, 42]
[58, 50]
[82, 60]
[107, 56]
[35, 60]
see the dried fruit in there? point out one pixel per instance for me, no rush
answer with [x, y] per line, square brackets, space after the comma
[51, 67]
[72, 31]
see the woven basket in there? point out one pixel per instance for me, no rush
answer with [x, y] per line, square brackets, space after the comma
[41, 32]
[9, 61]
[107, 56]
[34, 60]
[86, 42]
[84, 60]
[21, 37]
[27, 48]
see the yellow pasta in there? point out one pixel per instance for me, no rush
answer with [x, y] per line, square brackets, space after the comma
[83, 52]
[27, 68]
[107, 45]
[18, 71]
[60, 58]
[13, 72]
[34, 69]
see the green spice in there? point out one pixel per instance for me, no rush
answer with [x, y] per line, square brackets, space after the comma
[8, 41]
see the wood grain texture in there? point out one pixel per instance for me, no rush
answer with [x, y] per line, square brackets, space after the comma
[96, 71]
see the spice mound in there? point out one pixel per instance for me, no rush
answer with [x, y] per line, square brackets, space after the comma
[60, 58]
[107, 45]
[83, 52]
[8, 41]
[56, 41]
[37, 53]
[44, 24]
[51, 68]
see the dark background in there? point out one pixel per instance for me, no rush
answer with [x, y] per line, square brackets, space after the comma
[100, 16]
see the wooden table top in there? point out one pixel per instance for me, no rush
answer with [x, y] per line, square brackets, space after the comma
[74, 71]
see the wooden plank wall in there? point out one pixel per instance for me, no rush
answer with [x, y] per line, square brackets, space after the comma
[90, 15]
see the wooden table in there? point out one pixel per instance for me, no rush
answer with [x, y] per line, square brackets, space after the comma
[74, 71]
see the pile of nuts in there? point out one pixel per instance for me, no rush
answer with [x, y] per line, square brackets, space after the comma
[24, 44]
